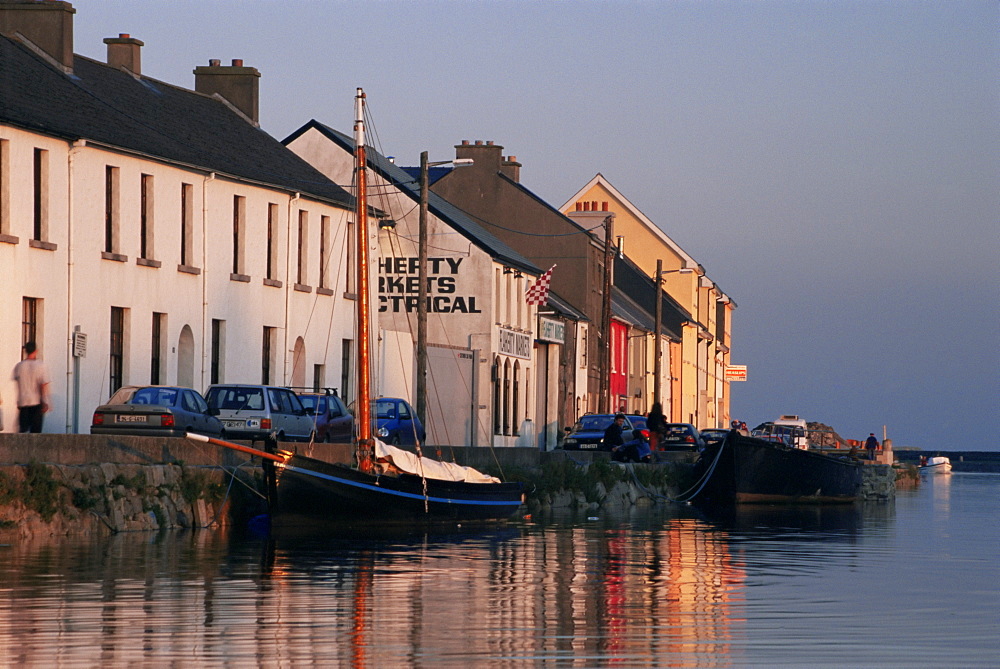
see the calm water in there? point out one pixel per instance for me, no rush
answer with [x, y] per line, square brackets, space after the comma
[914, 584]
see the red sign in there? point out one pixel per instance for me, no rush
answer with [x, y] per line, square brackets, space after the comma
[736, 372]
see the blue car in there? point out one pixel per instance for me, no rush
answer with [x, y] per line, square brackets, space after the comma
[396, 421]
[588, 433]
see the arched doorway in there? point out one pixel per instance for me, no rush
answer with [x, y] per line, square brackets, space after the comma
[299, 364]
[185, 357]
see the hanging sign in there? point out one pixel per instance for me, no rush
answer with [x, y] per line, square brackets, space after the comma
[736, 372]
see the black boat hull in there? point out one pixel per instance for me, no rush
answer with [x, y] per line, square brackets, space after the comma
[312, 489]
[756, 471]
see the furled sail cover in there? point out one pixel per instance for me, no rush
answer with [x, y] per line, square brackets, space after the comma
[411, 463]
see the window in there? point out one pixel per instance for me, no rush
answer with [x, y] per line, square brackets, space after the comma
[30, 312]
[272, 241]
[146, 217]
[506, 396]
[345, 370]
[156, 350]
[239, 232]
[267, 354]
[352, 249]
[116, 361]
[41, 195]
[319, 377]
[187, 224]
[111, 209]
[515, 394]
[324, 250]
[302, 272]
[497, 429]
[218, 346]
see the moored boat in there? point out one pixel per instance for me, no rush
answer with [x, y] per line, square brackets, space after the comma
[383, 484]
[938, 464]
[750, 470]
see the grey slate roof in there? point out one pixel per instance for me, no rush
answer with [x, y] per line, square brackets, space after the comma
[437, 205]
[109, 106]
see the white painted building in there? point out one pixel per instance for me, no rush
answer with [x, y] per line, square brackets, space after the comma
[162, 224]
[481, 333]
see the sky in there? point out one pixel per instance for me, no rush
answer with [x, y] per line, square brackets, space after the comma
[834, 165]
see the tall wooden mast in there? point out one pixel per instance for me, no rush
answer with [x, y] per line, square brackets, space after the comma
[363, 403]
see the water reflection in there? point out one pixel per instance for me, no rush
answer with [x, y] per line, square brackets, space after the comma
[670, 586]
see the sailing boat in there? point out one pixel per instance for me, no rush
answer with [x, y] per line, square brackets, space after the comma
[384, 483]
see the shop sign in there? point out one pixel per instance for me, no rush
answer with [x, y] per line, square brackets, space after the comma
[551, 330]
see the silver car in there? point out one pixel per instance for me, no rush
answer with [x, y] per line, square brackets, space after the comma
[252, 412]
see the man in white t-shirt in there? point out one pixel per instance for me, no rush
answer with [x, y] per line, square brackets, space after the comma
[32, 377]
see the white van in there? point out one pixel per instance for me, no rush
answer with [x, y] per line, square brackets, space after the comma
[788, 429]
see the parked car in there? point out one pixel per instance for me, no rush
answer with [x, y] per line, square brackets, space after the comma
[333, 422]
[588, 432]
[396, 422]
[156, 411]
[713, 436]
[254, 411]
[681, 437]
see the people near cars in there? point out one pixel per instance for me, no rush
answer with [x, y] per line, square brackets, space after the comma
[613, 434]
[656, 423]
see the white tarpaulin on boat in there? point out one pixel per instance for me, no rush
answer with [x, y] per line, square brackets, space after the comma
[411, 463]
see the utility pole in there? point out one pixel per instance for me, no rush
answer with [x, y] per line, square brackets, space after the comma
[422, 295]
[657, 331]
[604, 400]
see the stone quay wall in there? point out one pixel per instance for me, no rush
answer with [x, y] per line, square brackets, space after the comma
[66, 484]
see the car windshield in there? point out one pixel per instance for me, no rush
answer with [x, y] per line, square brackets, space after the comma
[385, 409]
[166, 397]
[596, 422]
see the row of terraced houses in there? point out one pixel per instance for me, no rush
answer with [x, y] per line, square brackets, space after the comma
[152, 234]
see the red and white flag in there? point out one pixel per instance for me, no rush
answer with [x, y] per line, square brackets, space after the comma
[538, 293]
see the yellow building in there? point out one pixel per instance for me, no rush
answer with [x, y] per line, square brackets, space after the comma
[692, 384]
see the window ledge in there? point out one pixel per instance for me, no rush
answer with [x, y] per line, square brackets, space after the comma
[146, 262]
[273, 283]
[39, 244]
[242, 278]
[302, 288]
[350, 296]
[324, 291]
[9, 239]
[117, 257]
[188, 269]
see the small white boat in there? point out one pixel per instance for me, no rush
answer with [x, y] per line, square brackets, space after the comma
[935, 465]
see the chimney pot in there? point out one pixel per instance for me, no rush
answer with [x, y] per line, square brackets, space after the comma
[465, 142]
[579, 206]
[604, 206]
[489, 142]
[479, 142]
[237, 62]
[593, 205]
[123, 35]
[214, 62]
[586, 206]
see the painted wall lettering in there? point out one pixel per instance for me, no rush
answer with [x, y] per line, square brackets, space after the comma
[399, 286]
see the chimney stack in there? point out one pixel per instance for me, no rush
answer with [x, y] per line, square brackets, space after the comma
[239, 85]
[123, 51]
[486, 155]
[511, 168]
[48, 25]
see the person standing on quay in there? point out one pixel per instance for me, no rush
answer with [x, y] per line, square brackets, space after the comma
[871, 444]
[32, 377]
[656, 423]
